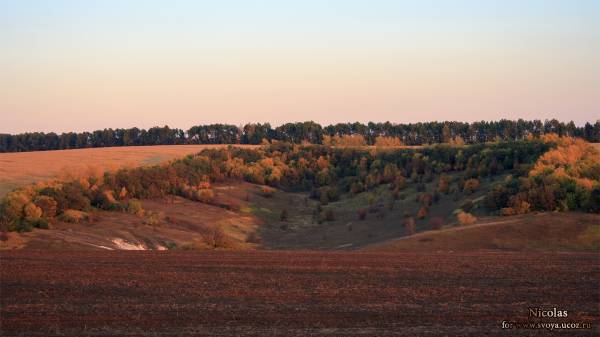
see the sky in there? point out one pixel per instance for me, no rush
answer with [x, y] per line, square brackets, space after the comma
[85, 65]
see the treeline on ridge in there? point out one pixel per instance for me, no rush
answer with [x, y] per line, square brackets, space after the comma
[540, 174]
[311, 132]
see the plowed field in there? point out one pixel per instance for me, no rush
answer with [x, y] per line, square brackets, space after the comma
[274, 293]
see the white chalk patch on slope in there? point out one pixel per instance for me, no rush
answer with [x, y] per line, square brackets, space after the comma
[122, 244]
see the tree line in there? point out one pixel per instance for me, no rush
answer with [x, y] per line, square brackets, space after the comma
[311, 132]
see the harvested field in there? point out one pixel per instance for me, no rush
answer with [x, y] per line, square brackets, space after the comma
[21, 168]
[268, 293]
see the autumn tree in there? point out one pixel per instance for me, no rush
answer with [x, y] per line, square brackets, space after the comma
[422, 213]
[471, 185]
[465, 218]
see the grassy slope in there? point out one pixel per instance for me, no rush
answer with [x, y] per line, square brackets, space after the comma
[181, 221]
[531, 232]
[346, 231]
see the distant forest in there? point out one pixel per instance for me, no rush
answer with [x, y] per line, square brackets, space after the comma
[408, 134]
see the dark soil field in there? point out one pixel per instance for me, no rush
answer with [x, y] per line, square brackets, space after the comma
[275, 293]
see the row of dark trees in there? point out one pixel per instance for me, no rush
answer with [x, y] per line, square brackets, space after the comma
[255, 133]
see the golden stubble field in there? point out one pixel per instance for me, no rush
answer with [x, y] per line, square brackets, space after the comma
[22, 168]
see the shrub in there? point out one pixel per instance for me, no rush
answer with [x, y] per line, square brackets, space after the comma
[465, 218]
[444, 184]
[593, 202]
[40, 223]
[153, 219]
[204, 184]
[357, 187]
[123, 193]
[134, 206]
[333, 194]
[426, 199]
[205, 196]
[399, 182]
[267, 191]
[23, 226]
[110, 197]
[362, 213]
[471, 185]
[170, 245]
[73, 216]
[422, 213]
[31, 212]
[390, 171]
[47, 205]
[508, 211]
[214, 237]
[12, 207]
[105, 200]
[6, 224]
[75, 195]
[519, 205]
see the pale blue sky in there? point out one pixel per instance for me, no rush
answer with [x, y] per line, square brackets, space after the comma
[81, 65]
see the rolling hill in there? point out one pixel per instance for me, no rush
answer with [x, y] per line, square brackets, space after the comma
[21, 168]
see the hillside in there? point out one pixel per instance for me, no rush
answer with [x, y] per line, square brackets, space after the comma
[248, 220]
[22, 168]
[530, 232]
[287, 196]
